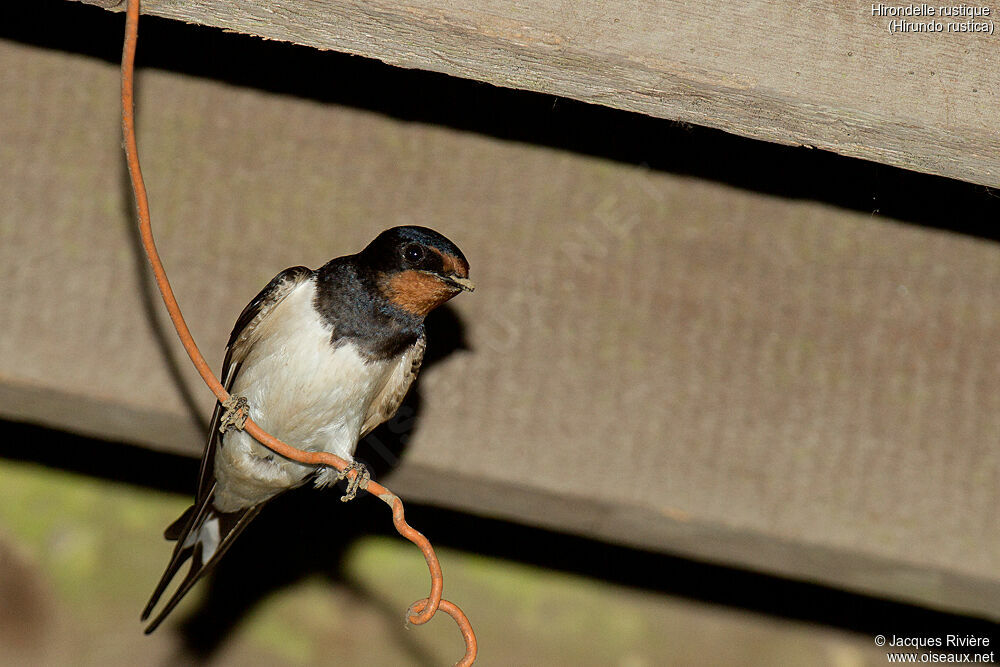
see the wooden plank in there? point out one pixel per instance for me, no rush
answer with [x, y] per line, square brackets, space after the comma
[819, 74]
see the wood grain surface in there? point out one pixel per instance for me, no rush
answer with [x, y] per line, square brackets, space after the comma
[830, 75]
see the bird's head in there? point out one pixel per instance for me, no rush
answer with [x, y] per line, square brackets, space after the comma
[417, 269]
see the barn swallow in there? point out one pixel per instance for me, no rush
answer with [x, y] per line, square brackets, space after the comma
[322, 357]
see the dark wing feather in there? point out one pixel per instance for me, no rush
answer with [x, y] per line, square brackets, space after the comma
[230, 525]
[391, 396]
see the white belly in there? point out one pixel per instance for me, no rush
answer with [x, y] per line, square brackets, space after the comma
[301, 390]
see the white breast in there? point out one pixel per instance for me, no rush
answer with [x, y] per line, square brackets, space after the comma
[303, 391]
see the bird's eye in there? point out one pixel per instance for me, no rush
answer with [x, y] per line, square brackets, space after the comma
[413, 252]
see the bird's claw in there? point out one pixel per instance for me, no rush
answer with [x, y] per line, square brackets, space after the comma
[235, 416]
[359, 481]
[328, 475]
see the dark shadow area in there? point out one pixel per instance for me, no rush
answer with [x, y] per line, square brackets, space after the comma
[112, 461]
[382, 449]
[305, 532]
[514, 115]
[682, 577]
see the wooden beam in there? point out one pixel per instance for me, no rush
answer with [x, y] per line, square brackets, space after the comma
[817, 74]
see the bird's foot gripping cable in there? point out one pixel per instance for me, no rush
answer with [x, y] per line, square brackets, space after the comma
[328, 476]
[235, 416]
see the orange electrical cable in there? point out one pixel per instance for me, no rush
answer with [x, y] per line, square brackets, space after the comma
[419, 612]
